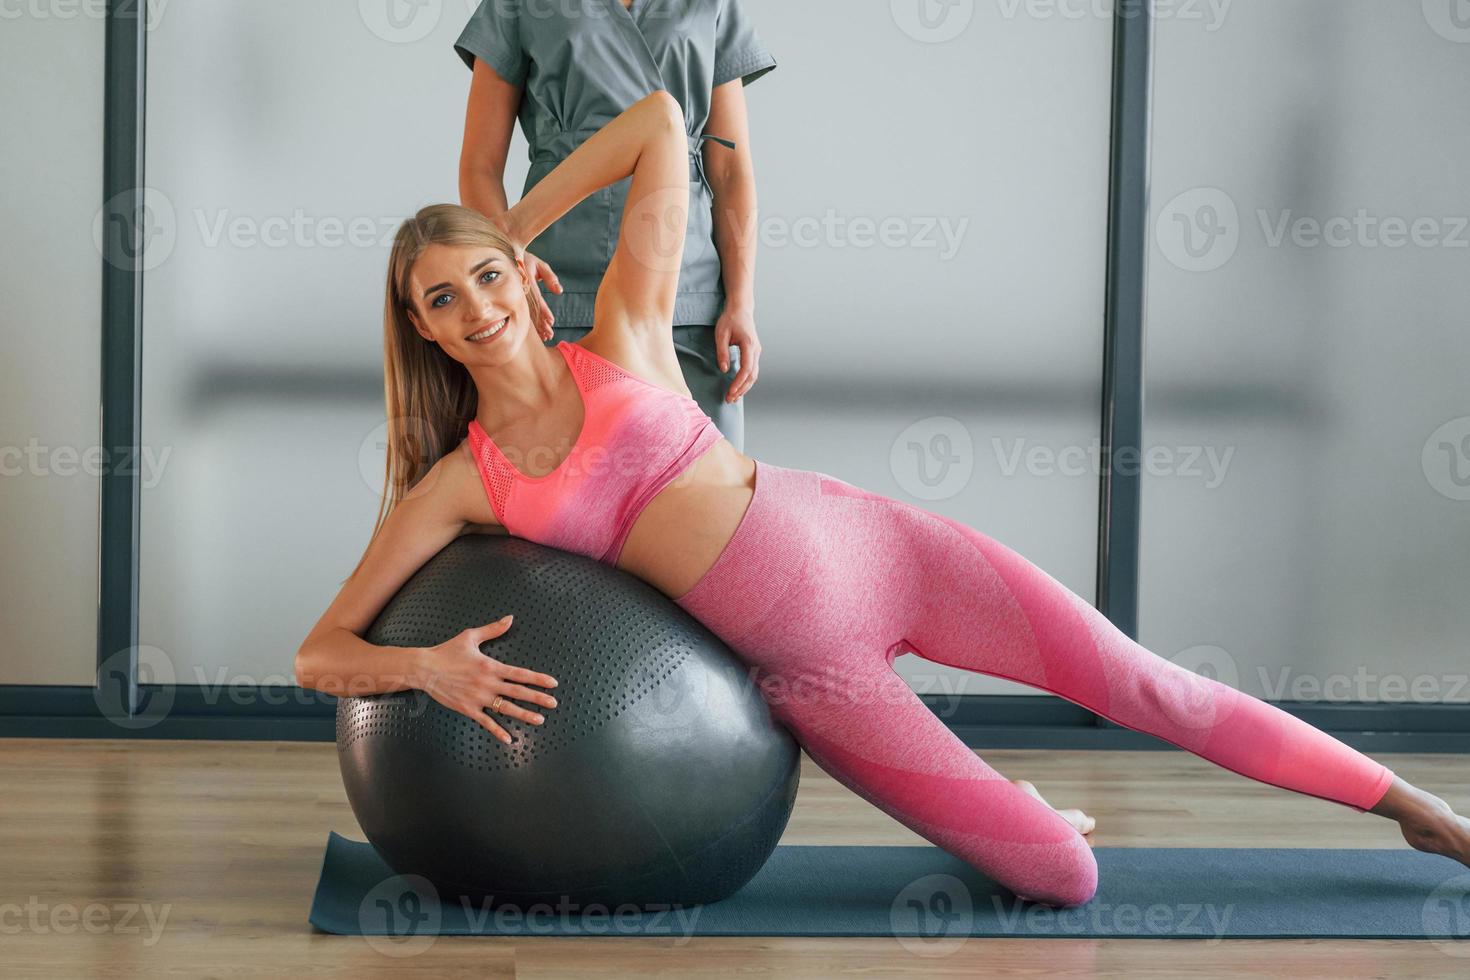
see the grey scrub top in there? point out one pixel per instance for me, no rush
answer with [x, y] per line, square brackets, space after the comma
[580, 64]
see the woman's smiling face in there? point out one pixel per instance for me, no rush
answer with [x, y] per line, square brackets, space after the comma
[470, 300]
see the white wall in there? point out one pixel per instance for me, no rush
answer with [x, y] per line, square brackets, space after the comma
[51, 325]
[263, 362]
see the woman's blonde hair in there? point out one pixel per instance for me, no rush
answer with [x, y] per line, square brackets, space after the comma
[429, 396]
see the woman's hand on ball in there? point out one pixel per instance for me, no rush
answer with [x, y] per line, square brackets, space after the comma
[463, 679]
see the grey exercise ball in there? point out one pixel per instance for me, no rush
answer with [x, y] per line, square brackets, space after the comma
[661, 777]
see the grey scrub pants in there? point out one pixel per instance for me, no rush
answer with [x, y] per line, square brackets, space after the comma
[695, 345]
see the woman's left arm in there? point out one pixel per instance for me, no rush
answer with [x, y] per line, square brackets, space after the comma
[731, 175]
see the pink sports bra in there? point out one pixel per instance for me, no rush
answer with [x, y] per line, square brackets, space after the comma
[636, 438]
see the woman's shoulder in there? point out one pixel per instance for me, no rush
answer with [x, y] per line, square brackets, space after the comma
[461, 487]
[652, 362]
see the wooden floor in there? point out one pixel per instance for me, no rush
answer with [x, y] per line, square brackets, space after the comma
[157, 858]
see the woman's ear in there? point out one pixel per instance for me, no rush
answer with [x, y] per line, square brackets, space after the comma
[413, 317]
[528, 283]
[528, 290]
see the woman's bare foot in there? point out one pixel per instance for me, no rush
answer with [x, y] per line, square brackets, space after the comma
[1079, 820]
[1426, 821]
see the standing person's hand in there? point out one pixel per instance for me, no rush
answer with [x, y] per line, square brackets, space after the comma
[535, 270]
[737, 328]
[540, 312]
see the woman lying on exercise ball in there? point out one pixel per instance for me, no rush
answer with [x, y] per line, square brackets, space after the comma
[813, 582]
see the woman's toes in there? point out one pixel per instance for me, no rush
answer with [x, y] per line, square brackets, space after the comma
[1079, 820]
[1442, 832]
[1029, 788]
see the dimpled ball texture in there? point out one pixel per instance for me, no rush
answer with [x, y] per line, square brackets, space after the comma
[660, 779]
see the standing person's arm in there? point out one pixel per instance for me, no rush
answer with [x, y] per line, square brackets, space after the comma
[489, 120]
[490, 46]
[731, 175]
[740, 57]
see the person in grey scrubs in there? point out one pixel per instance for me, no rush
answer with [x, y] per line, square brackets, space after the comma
[568, 67]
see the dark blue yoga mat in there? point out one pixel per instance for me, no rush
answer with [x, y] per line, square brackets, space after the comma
[930, 896]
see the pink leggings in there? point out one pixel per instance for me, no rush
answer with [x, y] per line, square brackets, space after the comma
[823, 584]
